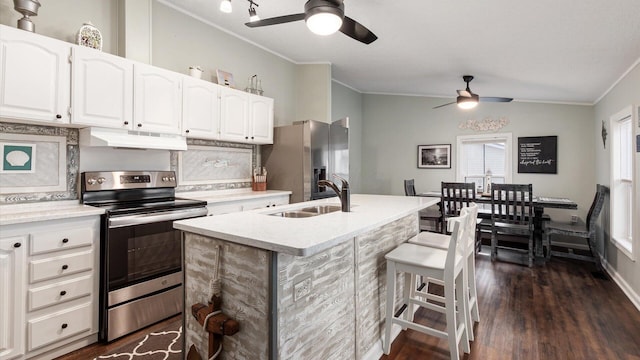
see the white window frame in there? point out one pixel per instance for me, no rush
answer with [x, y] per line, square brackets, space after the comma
[502, 137]
[622, 242]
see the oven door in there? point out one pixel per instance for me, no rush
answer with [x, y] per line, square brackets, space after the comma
[141, 270]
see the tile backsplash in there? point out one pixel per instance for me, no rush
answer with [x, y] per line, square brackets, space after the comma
[53, 172]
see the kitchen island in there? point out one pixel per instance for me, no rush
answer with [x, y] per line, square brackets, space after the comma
[301, 288]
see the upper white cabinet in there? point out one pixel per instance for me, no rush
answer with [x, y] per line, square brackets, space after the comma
[34, 77]
[245, 117]
[261, 119]
[234, 115]
[102, 89]
[200, 109]
[157, 99]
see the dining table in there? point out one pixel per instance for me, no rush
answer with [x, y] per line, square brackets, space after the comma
[539, 204]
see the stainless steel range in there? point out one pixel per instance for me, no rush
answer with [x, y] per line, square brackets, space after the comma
[140, 252]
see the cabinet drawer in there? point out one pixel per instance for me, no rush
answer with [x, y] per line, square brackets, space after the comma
[59, 292]
[60, 266]
[59, 240]
[51, 328]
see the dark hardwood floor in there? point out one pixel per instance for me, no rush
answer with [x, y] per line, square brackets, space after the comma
[558, 310]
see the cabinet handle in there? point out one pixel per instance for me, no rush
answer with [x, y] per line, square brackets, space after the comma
[65, 267]
[187, 131]
[252, 138]
[139, 125]
[268, 205]
[246, 138]
[58, 116]
[126, 123]
[64, 326]
[65, 240]
[17, 245]
[63, 293]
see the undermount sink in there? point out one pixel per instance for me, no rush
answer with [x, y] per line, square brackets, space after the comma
[308, 211]
[322, 209]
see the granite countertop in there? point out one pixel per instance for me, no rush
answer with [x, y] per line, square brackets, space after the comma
[41, 211]
[221, 196]
[310, 235]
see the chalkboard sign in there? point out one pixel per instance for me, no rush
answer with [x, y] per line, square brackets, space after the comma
[538, 154]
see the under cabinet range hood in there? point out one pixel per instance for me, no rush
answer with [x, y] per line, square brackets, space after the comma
[121, 138]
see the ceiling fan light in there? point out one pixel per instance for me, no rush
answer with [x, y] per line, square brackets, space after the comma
[324, 23]
[253, 16]
[465, 102]
[225, 6]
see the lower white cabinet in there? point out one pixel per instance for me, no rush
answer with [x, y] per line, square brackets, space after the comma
[246, 205]
[49, 286]
[12, 293]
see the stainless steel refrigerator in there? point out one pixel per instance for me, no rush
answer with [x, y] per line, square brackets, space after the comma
[304, 153]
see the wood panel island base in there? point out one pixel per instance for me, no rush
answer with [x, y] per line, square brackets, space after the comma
[301, 288]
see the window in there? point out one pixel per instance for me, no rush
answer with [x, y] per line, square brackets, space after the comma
[478, 154]
[622, 195]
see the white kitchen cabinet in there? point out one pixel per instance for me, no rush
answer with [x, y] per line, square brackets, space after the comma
[34, 78]
[102, 89]
[157, 105]
[200, 109]
[245, 117]
[234, 115]
[49, 286]
[12, 295]
[247, 204]
[260, 119]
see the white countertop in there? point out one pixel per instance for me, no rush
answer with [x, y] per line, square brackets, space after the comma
[306, 236]
[41, 211]
[221, 196]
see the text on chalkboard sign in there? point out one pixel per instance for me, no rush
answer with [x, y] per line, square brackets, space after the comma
[538, 154]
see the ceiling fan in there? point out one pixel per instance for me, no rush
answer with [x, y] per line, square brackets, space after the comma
[468, 100]
[324, 17]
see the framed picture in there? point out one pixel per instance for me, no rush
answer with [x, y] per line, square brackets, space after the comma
[434, 156]
[225, 78]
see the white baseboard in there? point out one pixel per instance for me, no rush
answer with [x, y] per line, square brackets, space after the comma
[632, 295]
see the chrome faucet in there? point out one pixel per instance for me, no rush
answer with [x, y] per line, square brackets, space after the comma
[344, 194]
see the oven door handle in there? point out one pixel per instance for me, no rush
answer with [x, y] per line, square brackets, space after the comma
[138, 219]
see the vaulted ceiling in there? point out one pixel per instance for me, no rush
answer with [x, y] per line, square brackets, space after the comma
[545, 50]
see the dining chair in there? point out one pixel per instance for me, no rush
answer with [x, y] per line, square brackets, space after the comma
[445, 265]
[579, 229]
[441, 241]
[512, 215]
[431, 214]
[453, 197]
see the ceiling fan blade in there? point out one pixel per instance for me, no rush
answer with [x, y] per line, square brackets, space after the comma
[439, 106]
[495, 99]
[464, 93]
[276, 20]
[357, 31]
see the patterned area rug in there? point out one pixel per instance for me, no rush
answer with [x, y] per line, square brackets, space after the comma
[164, 344]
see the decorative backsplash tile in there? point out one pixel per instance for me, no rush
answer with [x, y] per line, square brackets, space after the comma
[214, 165]
[51, 170]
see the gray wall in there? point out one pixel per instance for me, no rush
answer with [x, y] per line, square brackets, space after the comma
[188, 41]
[627, 92]
[61, 19]
[346, 102]
[395, 125]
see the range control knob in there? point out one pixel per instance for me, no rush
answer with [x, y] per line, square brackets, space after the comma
[165, 178]
[101, 180]
[172, 178]
[91, 181]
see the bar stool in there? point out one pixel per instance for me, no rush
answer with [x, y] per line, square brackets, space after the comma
[440, 241]
[445, 265]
